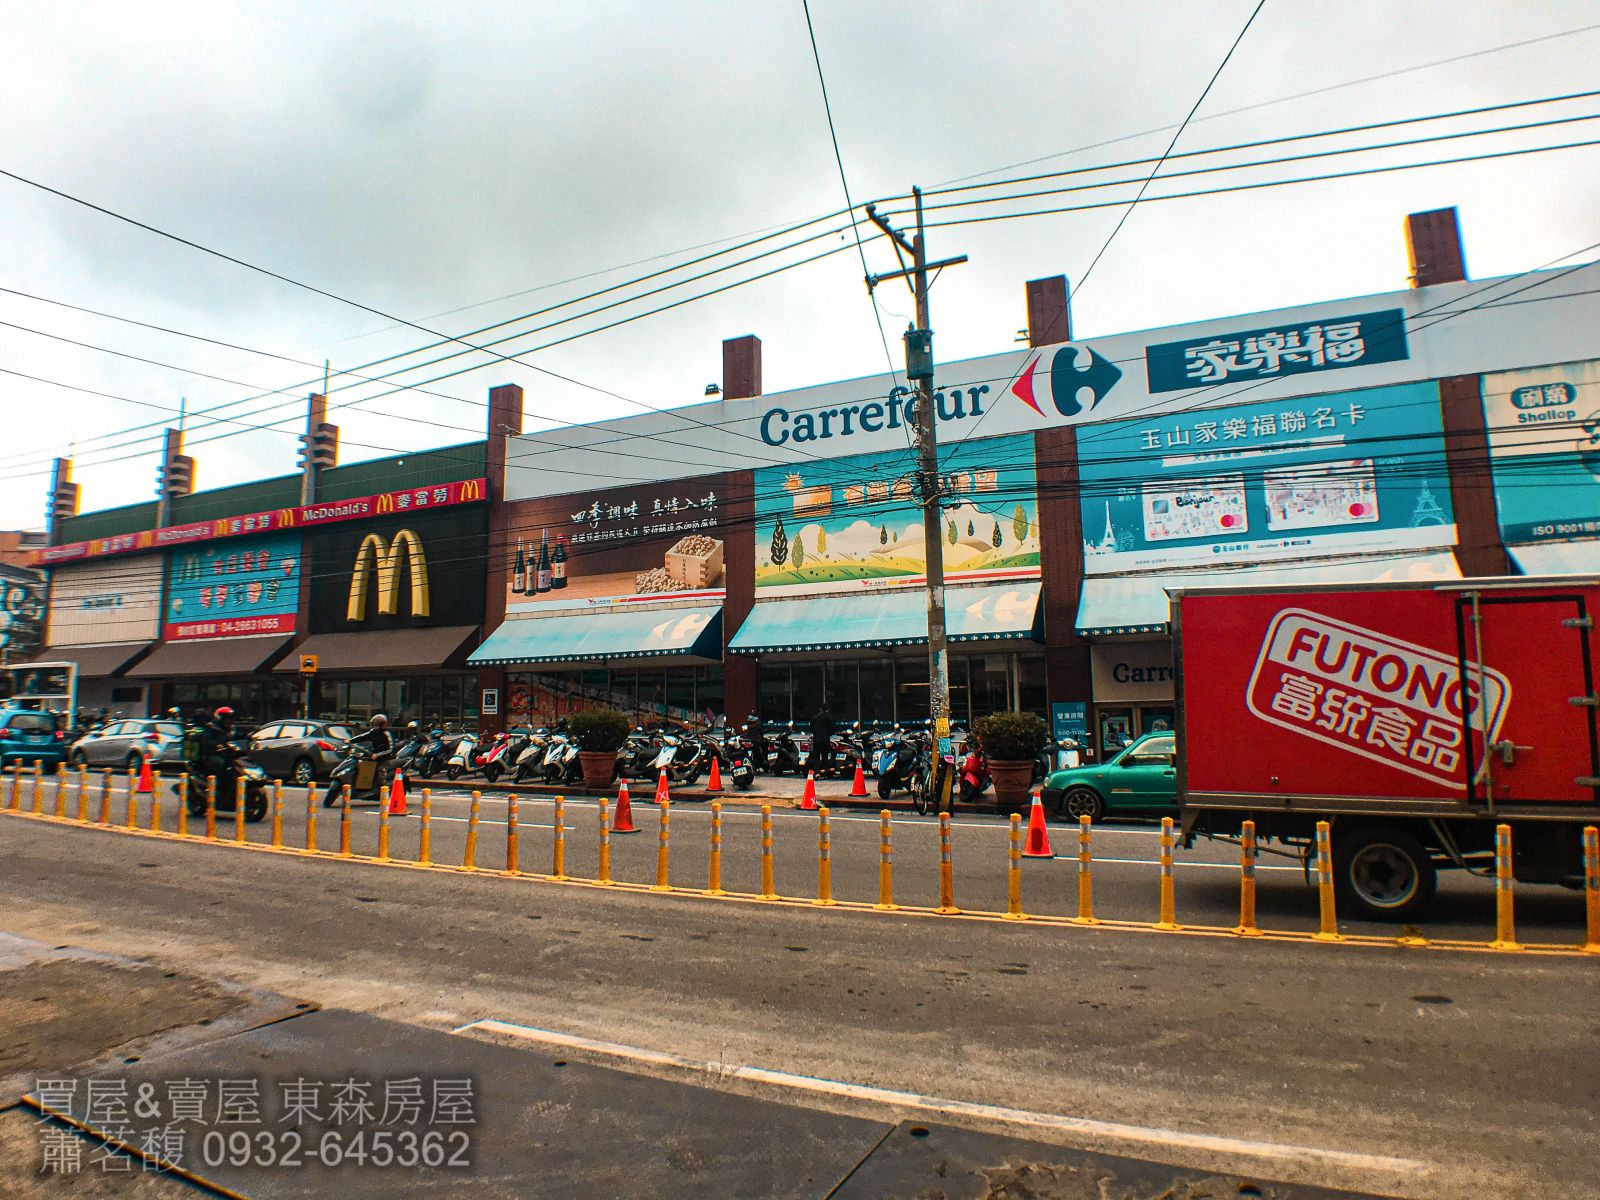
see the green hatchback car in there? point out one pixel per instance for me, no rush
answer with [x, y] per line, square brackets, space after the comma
[1142, 779]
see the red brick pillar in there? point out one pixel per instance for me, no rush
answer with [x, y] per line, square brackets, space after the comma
[505, 422]
[1433, 246]
[741, 379]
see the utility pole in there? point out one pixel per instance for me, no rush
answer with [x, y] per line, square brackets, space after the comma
[919, 372]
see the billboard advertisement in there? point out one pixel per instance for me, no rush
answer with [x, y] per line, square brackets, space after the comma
[406, 571]
[1544, 444]
[1352, 473]
[22, 595]
[652, 542]
[100, 603]
[848, 524]
[233, 589]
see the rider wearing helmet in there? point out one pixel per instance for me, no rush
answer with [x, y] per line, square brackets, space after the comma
[377, 737]
[216, 733]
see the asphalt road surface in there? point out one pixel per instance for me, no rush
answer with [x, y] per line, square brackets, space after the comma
[1478, 1067]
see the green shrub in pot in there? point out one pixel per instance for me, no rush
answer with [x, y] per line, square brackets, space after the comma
[598, 730]
[1010, 736]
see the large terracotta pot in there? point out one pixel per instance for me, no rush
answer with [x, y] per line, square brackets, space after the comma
[1011, 783]
[599, 766]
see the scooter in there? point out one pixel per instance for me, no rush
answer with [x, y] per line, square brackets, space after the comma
[433, 756]
[561, 762]
[741, 771]
[360, 775]
[897, 763]
[974, 779]
[532, 756]
[226, 799]
[460, 761]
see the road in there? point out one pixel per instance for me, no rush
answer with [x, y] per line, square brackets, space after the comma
[1479, 1066]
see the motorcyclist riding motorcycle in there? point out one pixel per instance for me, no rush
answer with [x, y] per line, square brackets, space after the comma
[219, 757]
[376, 737]
[360, 774]
[215, 735]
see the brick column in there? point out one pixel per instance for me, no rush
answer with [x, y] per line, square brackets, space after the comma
[1433, 247]
[505, 422]
[741, 379]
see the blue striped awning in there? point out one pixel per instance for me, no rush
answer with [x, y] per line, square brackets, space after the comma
[589, 637]
[887, 618]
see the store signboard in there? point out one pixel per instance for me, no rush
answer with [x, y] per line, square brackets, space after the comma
[1130, 672]
[1544, 444]
[404, 571]
[851, 524]
[98, 603]
[599, 548]
[1353, 473]
[1401, 337]
[358, 508]
[22, 609]
[233, 589]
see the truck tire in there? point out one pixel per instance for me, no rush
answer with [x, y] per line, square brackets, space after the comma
[1383, 873]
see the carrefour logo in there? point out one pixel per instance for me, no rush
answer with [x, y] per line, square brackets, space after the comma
[899, 409]
[1079, 378]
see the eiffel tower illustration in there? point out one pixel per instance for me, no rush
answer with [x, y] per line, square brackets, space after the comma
[1427, 511]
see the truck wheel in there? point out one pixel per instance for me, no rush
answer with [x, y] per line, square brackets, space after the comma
[1083, 802]
[1385, 874]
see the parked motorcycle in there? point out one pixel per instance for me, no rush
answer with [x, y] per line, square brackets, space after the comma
[898, 762]
[740, 769]
[561, 763]
[435, 754]
[461, 756]
[974, 779]
[238, 767]
[531, 759]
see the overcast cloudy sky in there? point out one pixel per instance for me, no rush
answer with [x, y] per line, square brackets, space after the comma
[461, 164]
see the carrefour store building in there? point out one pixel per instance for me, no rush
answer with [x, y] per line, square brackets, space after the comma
[765, 552]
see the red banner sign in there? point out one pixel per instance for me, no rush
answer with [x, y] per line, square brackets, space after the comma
[183, 631]
[440, 495]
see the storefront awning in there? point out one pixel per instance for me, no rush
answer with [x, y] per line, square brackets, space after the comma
[890, 618]
[1558, 558]
[385, 650]
[208, 656]
[1138, 603]
[591, 637]
[94, 661]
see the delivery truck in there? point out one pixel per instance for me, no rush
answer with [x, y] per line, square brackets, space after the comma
[1413, 717]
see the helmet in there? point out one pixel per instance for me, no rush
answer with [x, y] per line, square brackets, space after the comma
[379, 721]
[223, 715]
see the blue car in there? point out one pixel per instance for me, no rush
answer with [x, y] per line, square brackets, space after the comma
[27, 737]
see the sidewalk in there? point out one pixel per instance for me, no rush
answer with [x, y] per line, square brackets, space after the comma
[783, 791]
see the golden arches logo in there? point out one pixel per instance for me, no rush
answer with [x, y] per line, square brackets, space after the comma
[471, 490]
[386, 504]
[375, 556]
[286, 518]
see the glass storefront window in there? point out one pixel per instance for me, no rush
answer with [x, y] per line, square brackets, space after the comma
[680, 690]
[877, 691]
[1116, 729]
[1031, 684]
[843, 700]
[989, 684]
[806, 690]
[709, 694]
[911, 689]
[776, 694]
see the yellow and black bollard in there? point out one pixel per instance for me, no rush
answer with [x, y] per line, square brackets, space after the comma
[469, 856]
[768, 892]
[558, 845]
[383, 823]
[661, 884]
[311, 817]
[344, 822]
[1591, 888]
[1505, 925]
[1085, 878]
[83, 795]
[824, 859]
[211, 808]
[105, 798]
[1247, 882]
[14, 789]
[183, 805]
[425, 829]
[885, 861]
[155, 802]
[61, 791]
[133, 800]
[36, 791]
[1014, 872]
[277, 814]
[603, 868]
[512, 866]
[714, 873]
[239, 795]
[947, 870]
[1328, 923]
[1168, 918]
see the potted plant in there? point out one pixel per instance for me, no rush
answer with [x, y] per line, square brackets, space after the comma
[1011, 743]
[600, 733]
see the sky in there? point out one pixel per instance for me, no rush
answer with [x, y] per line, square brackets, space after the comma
[457, 165]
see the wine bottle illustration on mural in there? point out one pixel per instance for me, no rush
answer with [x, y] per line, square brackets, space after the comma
[519, 572]
[558, 564]
[542, 578]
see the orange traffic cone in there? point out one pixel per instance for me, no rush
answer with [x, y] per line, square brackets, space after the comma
[624, 820]
[146, 782]
[714, 784]
[859, 787]
[809, 800]
[1038, 844]
[397, 796]
[661, 787]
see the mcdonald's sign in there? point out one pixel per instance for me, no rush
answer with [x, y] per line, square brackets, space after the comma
[285, 519]
[471, 490]
[385, 503]
[384, 559]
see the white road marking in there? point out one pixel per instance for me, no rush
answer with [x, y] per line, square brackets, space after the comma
[1110, 1130]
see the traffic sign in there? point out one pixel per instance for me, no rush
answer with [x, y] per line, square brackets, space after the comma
[308, 664]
